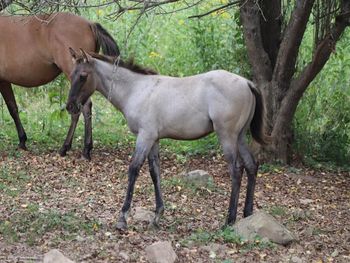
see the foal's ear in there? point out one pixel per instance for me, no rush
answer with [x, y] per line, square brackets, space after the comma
[87, 58]
[73, 54]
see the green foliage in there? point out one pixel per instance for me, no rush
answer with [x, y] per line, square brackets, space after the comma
[322, 122]
[179, 46]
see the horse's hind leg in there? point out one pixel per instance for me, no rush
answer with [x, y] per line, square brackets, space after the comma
[9, 97]
[153, 161]
[230, 150]
[251, 168]
[67, 145]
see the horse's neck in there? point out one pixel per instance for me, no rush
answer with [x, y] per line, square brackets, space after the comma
[117, 83]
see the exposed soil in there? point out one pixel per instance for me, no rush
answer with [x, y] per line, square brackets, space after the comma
[314, 205]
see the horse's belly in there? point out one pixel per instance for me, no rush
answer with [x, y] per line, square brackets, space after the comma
[188, 130]
[31, 75]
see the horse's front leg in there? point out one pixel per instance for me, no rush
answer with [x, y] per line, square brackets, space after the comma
[153, 161]
[88, 130]
[67, 145]
[9, 97]
[143, 147]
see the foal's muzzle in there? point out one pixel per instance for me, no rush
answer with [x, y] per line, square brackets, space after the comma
[73, 108]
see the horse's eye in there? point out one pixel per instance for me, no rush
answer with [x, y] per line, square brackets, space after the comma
[83, 76]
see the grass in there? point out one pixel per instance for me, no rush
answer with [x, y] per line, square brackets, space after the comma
[31, 224]
[228, 236]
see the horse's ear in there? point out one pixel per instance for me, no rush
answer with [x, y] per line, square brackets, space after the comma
[86, 57]
[73, 54]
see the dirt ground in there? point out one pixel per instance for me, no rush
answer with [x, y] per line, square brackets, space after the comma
[72, 205]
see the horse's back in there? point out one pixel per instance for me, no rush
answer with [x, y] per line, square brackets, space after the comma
[39, 45]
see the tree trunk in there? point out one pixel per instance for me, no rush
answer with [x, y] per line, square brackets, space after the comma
[273, 57]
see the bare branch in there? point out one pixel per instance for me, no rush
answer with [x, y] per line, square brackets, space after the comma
[4, 4]
[216, 9]
[323, 51]
[287, 55]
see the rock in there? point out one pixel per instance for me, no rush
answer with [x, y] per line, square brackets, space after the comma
[263, 225]
[296, 259]
[161, 252]
[55, 256]
[216, 249]
[306, 201]
[198, 177]
[124, 255]
[141, 214]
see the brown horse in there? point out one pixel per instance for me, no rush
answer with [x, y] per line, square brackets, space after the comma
[34, 51]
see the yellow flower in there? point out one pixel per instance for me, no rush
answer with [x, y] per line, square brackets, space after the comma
[225, 15]
[99, 12]
[181, 22]
[154, 55]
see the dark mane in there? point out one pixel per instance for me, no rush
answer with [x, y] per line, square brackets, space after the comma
[129, 64]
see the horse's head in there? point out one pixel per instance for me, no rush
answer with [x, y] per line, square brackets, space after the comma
[83, 81]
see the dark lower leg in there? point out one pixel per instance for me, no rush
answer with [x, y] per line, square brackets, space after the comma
[236, 177]
[88, 130]
[153, 160]
[251, 169]
[9, 97]
[67, 145]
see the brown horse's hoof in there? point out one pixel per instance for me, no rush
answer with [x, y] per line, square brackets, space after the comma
[22, 147]
[87, 156]
[63, 151]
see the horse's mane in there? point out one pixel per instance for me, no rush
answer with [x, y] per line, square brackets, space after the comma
[129, 64]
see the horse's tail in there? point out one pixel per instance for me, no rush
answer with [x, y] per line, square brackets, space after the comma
[257, 123]
[104, 40]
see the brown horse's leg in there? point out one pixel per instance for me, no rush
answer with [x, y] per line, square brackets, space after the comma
[67, 145]
[9, 97]
[88, 130]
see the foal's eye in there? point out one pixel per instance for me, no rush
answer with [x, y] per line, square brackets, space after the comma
[83, 76]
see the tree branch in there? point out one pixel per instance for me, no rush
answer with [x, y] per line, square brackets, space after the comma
[258, 58]
[4, 4]
[323, 51]
[216, 9]
[287, 55]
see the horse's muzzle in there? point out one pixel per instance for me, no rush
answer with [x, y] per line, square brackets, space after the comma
[73, 108]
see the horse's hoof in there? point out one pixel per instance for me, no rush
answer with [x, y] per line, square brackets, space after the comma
[121, 226]
[87, 156]
[22, 147]
[62, 152]
[153, 226]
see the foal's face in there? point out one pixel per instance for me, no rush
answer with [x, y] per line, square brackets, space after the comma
[83, 84]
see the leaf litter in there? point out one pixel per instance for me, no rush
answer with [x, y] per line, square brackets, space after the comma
[70, 204]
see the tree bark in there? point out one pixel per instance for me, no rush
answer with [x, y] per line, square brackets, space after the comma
[273, 57]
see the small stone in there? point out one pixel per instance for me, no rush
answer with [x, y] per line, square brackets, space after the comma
[198, 177]
[124, 255]
[55, 256]
[306, 201]
[335, 253]
[161, 252]
[296, 259]
[141, 214]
